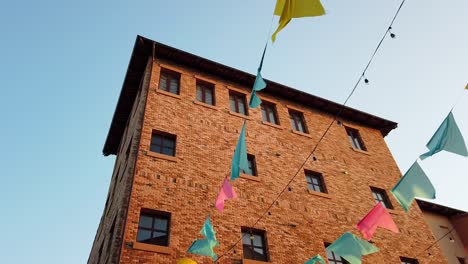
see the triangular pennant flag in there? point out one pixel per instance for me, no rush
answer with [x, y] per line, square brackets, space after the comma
[315, 259]
[208, 232]
[413, 184]
[226, 192]
[447, 137]
[466, 87]
[239, 160]
[259, 84]
[203, 247]
[351, 248]
[288, 9]
[378, 216]
[186, 261]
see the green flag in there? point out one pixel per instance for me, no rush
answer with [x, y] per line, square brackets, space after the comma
[413, 184]
[315, 259]
[204, 247]
[351, 248]
[239, 160]
[447, 137]
[259, 84]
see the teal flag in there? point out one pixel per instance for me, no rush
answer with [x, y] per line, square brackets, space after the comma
[208, 232]
[203, 247]
[351, 248]
[259, 84]
[315, 259]
[413, 184]
[448, 137]
[239, 161]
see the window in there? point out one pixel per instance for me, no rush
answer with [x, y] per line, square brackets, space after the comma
[334, 259]
[381, 196]
[237, 102]
[297, 121]
[205, 92]
[315, 181]
[154, 228]
[461, 260]
[169, 81]
[408, 260]
[254, 244]
[269, 113]
[355, 138]
[252, 166]
[163, 143]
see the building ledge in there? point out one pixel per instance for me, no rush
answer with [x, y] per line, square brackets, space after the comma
[152, 248]
[361, 151]
[319, 194]
[300, 133]
[177, 96]
[249, 177]
[160, 156]
[272, 125]
[240, 115]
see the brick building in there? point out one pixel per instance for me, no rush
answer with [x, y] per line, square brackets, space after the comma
[174, 131]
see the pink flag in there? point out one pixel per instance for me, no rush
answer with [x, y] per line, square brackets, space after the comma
[226, 192]
[378, 216]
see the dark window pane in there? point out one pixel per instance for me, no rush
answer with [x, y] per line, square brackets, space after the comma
[241, 106]
[209, 96]
[143, 235]
[160, 224]
[146, 221]
[199, 93]
[257, 241]
[246, 238]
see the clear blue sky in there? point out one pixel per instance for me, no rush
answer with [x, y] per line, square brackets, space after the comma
[63, 63]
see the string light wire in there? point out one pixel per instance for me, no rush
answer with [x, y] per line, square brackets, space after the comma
[324, 133]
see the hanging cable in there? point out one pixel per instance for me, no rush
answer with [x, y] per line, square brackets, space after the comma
[326, 130]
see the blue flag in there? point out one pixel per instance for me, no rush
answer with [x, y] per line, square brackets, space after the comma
[259, 84]
[315, 259]
[413, 184]
[447, 137]
[239, 160]
[204, 247]
[351, 248]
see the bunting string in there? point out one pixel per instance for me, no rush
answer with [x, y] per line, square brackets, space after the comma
[335, 118]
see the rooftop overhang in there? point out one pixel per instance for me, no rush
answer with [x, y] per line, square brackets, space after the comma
[144, 48]
[439, 209]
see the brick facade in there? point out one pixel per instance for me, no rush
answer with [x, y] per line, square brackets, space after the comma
[186, 186]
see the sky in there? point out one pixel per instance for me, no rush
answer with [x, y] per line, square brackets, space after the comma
[63, 64]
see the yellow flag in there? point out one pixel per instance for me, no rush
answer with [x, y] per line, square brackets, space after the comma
[186, 261]
[288, 9]
[466, 86]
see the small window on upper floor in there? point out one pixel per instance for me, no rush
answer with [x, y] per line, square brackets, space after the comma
[153, 227]
[355, 139]
[254, 244]
[297, 121]
[269, 113]
[315, 181]
[380, 195]
[405, 260]
[237, 102]
[163, 143]
[252, 166]
[334, 259]
[169, 81]
[205, 92]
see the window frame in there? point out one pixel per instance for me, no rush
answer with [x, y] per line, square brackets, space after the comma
[264, 106]
[296, 117]
[355, 138]
[170, 75]
[204, 85]
[163, 135]
[238, 97]
[154, 214]
[251, 158]
[255, 232]
[385, 199]
[321, 182]
[405, 260]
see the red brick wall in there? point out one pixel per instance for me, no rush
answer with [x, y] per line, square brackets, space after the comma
[206, 137]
